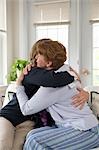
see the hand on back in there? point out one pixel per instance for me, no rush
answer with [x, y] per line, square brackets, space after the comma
[80, 99]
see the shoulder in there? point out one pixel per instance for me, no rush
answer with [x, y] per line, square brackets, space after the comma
[63, 68]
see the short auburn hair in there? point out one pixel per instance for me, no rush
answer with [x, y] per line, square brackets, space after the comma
[52, 51]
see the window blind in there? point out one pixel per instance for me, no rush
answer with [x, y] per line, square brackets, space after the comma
[51, 12]
[94, 11]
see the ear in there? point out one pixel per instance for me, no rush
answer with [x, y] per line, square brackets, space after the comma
[49, 64]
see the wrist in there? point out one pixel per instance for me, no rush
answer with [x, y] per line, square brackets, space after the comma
[18, 82]
[20, 79]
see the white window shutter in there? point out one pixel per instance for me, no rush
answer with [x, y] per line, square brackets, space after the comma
[94, 10]
[51, 12]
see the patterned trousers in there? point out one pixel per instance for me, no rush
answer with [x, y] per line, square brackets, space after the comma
[61, 138]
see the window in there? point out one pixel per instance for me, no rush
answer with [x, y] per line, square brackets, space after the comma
[51, 20]
[94, 19]
[96, 54]
[54, 32]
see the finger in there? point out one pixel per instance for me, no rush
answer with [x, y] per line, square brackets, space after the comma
[27, 69]
[79, 89]
[29, 66]
[25, 72]
[80, 94]
[75, 97]
[81, 106]
[76, 101]
[81, 100]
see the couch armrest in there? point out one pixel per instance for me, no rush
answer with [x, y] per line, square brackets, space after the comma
[9, 93]
[95, 103]
[2, 93]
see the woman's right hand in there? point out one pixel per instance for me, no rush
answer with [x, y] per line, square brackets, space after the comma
[24, 72]
[27, 69]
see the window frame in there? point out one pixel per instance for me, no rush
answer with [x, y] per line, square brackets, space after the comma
[58, 23]
[94, 23]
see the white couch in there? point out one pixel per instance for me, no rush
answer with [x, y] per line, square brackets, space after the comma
[94, 105]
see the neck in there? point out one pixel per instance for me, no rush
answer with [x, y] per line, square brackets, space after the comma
[49, 68]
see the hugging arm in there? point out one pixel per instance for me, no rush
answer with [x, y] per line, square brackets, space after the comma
[47, 78]
[41, 100]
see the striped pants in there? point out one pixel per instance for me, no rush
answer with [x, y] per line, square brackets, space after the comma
[61, 138]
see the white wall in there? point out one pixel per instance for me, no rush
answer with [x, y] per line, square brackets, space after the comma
[74, 41]
[17, 30]
[86, 43]
[80, 45]
[10, 37]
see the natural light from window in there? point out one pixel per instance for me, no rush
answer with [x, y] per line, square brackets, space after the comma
[96, 54]
[54, 32]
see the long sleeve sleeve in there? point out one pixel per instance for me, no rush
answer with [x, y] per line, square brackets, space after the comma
[41, 77]
[47, 78]
[38, 101]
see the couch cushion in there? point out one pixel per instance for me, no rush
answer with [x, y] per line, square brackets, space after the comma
[94, 99]
[95, 102]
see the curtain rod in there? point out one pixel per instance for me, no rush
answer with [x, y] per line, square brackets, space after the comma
[94, 21]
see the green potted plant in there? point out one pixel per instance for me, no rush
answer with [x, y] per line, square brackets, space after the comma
[16, 68]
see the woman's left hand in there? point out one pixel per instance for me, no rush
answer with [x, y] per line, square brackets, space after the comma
[80, 99]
